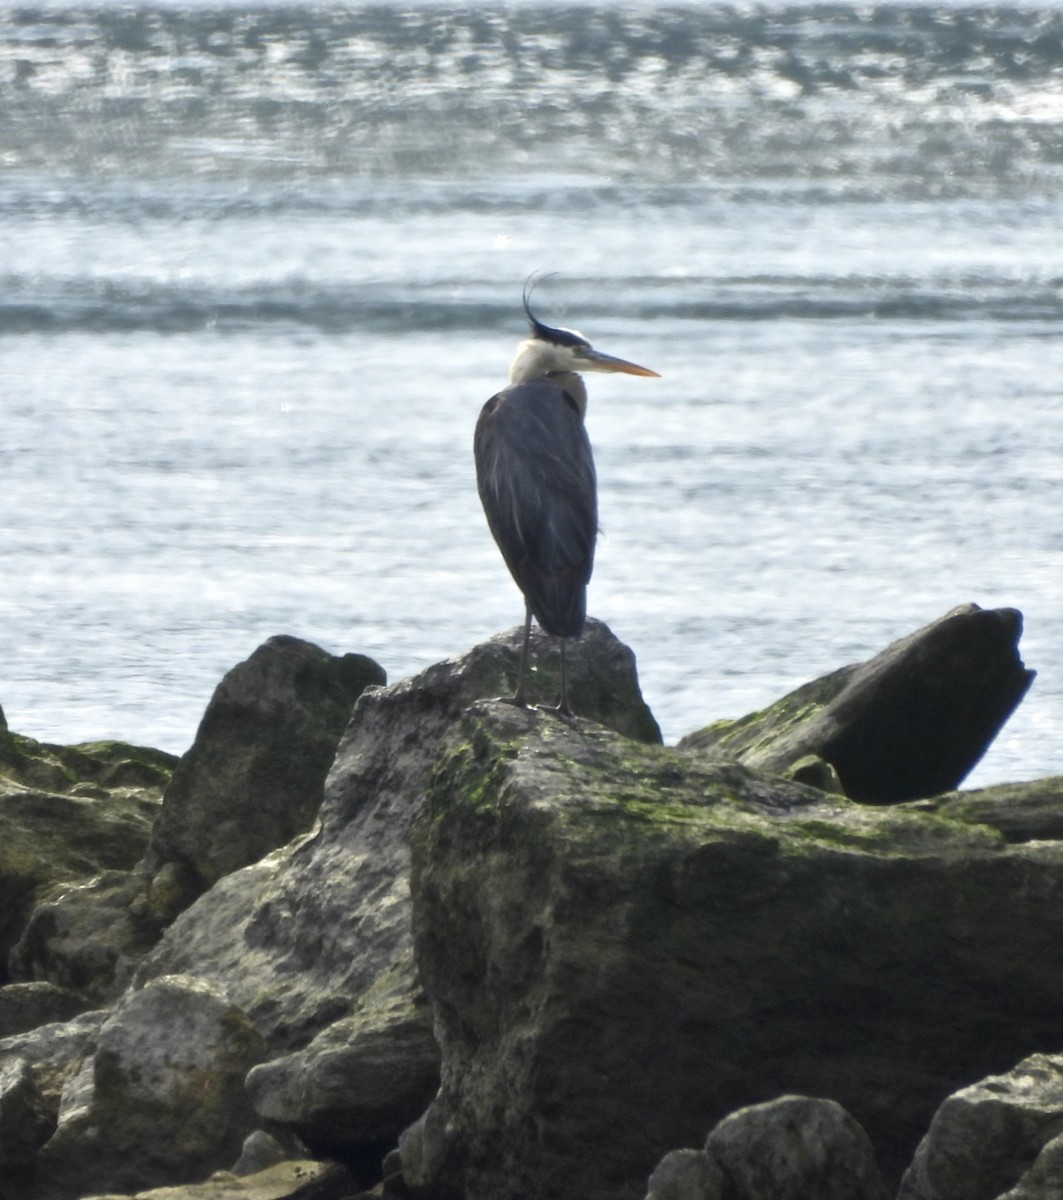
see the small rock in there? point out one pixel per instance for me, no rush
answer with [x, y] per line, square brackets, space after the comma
[87, 938]
[260, 1150]
[686, 1175]
[985, 1137]
[357, 1082]
[160, 1100]
[25, 1121]
[428, 1164]
[1044, 1180]
[55, 1052]
[24, 1006]
[795, 1148]
[55, 839]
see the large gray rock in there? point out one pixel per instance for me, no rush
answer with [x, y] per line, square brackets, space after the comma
[314, 942]
[159, 1100]
[625, 943]
[909, 723]
[999, 1136]
[253, 779]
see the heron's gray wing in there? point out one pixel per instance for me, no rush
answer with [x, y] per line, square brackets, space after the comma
[535, 474]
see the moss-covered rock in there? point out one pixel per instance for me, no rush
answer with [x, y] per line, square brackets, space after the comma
[624, 943]
[909, 723]
[84, 769]
[1021, 812]
[66, 814]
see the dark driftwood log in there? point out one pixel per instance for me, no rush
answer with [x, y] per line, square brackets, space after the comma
[908, 724]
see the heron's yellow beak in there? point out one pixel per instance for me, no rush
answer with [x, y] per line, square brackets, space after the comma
[594, 360]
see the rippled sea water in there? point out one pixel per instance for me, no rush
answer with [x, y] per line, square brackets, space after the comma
[260, 266]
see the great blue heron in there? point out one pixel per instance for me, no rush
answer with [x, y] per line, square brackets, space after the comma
[535, 474]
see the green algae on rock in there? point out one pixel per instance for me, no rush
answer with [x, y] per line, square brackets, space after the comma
[68, 813]
[624, 942]
[909, 723]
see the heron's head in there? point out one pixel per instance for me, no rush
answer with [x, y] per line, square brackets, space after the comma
[551, 351]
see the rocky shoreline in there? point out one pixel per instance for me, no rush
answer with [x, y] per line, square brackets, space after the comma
[402, 940]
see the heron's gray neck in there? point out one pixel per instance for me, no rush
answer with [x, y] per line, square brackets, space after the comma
[572, 383]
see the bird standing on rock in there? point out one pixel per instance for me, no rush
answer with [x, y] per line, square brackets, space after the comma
[535, 475]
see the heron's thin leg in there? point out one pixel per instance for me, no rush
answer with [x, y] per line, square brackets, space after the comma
[518, 697]
[563, 707]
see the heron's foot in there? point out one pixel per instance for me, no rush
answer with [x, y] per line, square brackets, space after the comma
[561, 711]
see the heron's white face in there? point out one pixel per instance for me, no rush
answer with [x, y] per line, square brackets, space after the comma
[537, 358]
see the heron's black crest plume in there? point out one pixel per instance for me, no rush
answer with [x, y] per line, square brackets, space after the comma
[559, 337]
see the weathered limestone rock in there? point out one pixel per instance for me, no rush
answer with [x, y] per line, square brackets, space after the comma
[90, 938]
[301, 1180]
[35, 1066]
[358, 1082]
[686, 1175]
[67, 813]
[987, 1140]
[625, 943]
[262, 1150]
[25, 1121]
[1044, 1180]
[160, 1099]
[55, 1051]
[93, 769]
[253, 778]
[1022, 812]
[24, 1006]
[795, 1148]
[910, 723]
[603, 683]
[319, 932]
